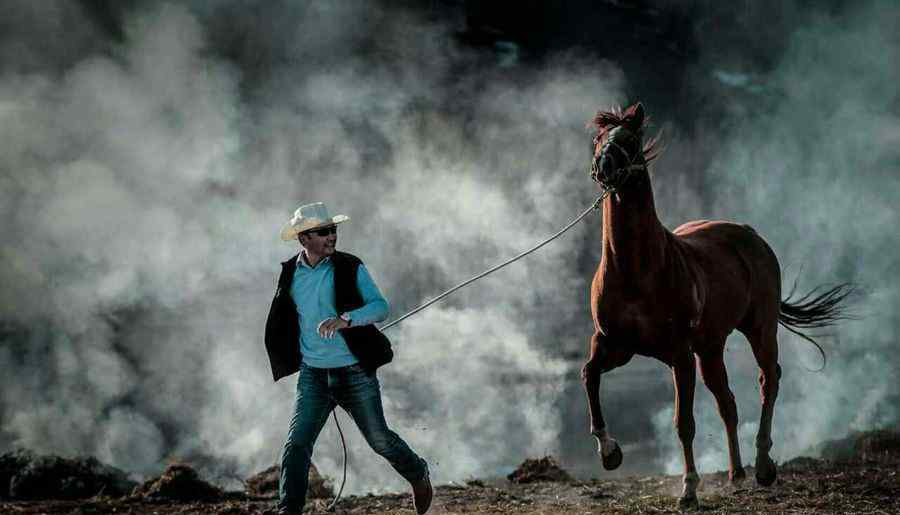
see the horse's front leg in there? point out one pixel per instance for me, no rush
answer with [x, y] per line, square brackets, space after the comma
[602, 359]
[684, 373]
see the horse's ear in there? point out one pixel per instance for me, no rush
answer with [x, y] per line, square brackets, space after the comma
[634, 116]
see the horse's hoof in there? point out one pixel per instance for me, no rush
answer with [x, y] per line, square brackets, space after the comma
[765, 471]
[688, 502]
[613, 460]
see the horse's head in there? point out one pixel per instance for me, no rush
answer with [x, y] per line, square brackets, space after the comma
[618, 149]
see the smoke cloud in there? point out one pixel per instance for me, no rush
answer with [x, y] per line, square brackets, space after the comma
[145, 182]
[809, 159]
[145, 177]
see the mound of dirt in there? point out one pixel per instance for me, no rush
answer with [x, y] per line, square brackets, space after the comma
[880, 445]
[25, 475]
[802, 464]
[179, 482]
[883, 445]
[541, 469]
[265, 483]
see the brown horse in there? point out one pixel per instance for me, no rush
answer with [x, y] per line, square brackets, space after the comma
[677, 295]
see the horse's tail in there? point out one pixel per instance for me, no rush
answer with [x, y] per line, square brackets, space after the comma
[814, 310]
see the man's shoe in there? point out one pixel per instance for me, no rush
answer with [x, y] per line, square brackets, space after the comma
[422, 494]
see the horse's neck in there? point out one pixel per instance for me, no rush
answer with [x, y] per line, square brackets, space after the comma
[634, 240]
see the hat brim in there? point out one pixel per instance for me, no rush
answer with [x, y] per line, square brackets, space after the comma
[289, 232]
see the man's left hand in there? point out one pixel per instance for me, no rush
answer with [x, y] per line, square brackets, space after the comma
[329, 326]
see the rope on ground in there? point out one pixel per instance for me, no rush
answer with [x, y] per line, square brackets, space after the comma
[344, 478]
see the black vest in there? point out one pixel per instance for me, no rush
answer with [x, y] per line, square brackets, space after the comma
[366, 342]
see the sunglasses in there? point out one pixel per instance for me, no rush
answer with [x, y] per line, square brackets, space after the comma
[325, 231]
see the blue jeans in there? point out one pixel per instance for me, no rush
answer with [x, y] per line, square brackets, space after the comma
[319, 390]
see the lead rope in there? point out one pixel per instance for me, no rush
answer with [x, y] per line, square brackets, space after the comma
[344, 478]
[595, 205]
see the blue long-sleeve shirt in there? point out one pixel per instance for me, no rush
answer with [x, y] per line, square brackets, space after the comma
[313, 293]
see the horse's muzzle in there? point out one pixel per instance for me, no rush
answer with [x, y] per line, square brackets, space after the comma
[602, 168]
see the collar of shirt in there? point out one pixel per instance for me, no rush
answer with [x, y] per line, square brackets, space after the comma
[302, 262]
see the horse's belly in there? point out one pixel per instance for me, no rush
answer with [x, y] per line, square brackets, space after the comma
[629, 327]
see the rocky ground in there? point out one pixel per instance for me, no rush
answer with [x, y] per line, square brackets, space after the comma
[860, 476]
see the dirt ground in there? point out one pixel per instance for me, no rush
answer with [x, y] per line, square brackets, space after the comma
[805, 485]
[857, 474]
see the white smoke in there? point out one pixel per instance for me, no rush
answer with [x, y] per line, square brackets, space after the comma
[810, 163]
[144, 187]
[144, 181]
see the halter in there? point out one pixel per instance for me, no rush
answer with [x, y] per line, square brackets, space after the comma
[620, 175]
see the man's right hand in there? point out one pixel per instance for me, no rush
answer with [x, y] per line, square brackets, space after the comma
[329, 326]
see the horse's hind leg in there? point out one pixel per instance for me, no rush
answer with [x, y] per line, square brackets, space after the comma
[715, 377]
[764, 343]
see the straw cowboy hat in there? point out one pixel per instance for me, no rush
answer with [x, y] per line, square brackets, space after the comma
[309, 217]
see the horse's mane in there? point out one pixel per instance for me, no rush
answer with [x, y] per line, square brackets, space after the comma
[604, 121]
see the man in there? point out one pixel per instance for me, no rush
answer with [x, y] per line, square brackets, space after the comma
[321, 323]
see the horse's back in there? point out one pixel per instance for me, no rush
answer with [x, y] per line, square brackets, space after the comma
[739, 266]
[728, 237]
[714, 227]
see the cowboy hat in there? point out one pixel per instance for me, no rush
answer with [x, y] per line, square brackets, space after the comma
[309, 217]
